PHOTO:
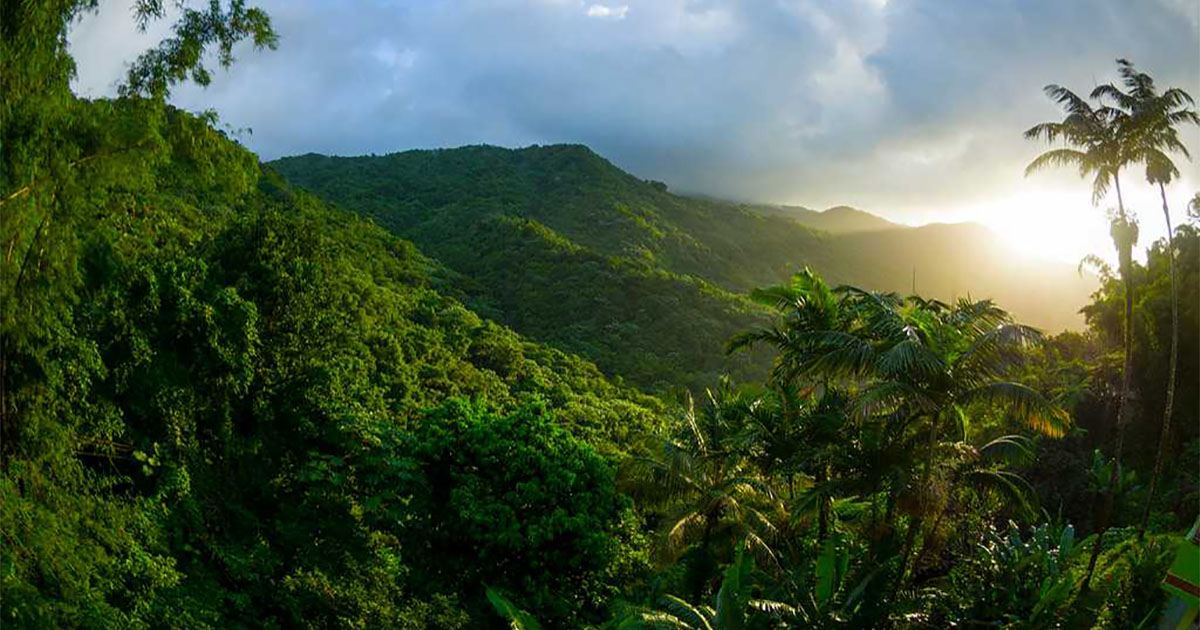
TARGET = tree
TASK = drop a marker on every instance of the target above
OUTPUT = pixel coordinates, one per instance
(510, 500)
(1100, 142)
(1124, 233)
(806, 303)
(922, 366)
(709, 495)
(1155, 118)
(1152, 330)
(85, 534)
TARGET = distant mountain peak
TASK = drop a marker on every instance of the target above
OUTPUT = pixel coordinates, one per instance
(445, 198)
(835, 220)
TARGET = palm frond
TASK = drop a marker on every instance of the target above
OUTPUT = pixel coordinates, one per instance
(734, 594)
(887, 397)
(682, 533)
(777, 610)
(1175, 98)
(994, 351)
(1014, 449)
(1007, 484)
(653, 620)
(694, 616)
(1070, 102)
(663, 478)
(1113, 93)
(1025, 405)
(909, 357)
(1100, 183)
(1159, 167)
(833, 353)
(1058, 157)
(517, 619)
(746, 340)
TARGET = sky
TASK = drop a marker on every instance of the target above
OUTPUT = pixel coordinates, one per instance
(910, 109)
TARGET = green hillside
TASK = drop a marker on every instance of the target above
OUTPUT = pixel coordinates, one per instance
(226, 402)
(654, 261)
(567, 249)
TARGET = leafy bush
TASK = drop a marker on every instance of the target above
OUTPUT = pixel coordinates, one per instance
(512, 501)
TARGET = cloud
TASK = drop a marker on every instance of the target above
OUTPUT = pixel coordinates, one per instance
(905, 106)
(605, 11)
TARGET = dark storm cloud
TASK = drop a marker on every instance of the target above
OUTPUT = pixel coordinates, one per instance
(869, 102)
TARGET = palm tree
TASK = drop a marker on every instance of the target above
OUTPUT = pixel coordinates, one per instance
(1124, 233)
(1156, 118)
(922, 365)
(806, 303)
(935, 365)
(704, 486)
(980, 473)
(1095, 139)
(1100, 142)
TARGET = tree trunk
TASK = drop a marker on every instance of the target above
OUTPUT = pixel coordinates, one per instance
(823, 513)
(918, 522)
(1125, 254)
(1169, 404)
(910, 537)
(700, 569)
(937, 522)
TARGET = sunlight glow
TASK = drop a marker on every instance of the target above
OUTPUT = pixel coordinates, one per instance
(1048, 225)
(1061, 223)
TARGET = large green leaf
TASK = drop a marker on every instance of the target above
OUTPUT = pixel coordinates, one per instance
(517, 619)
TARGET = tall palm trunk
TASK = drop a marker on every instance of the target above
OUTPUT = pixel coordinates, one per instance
(1125, 254)
(823, 511)
(1169, 404)
(701, 568)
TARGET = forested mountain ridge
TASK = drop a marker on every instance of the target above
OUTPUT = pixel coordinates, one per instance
(835, 220)
(622, 232)
(616, 279)
(568, 188)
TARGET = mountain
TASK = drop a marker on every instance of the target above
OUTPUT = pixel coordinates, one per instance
(568, 249)
(835, 220)
(896, 257)
(966, 259)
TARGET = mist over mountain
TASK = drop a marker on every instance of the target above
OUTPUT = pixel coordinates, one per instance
(524, 229)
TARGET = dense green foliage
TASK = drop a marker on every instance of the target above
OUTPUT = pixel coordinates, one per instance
(513, 501)
(213, 352)
(206, 375)
(227, 403)
(1152, 332)
(610, 278)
